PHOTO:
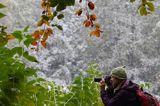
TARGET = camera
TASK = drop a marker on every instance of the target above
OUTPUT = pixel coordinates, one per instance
(97, 79)
(106, 79)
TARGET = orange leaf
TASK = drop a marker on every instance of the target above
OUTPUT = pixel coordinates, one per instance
(97, 25)
(79, 12)
(96, 33)
(36, 34)
(44, 44)
(49, 11)
(10, 37)
(87, 23)
(37, 37)
(93, 17)
(46, 22)
(44, 4)
(34, 43)
(49, 31)
(41, 32)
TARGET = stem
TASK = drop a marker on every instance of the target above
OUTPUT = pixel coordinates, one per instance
(69, 99)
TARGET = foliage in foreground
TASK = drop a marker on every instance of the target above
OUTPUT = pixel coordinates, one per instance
(20, 86)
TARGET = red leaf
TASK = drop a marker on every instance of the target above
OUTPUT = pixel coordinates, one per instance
(91, 5)
(80, 1)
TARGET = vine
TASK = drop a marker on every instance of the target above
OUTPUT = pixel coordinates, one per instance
(90, 18)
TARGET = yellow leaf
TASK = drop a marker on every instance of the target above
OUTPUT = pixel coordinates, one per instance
(142, 10)
(49, 10)
(10, 37)
(40, 22)
(41, 32)
(150, 6)
(45, 37)
(44, 4)
(46, 22)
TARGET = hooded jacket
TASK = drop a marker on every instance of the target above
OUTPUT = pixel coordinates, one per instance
(125, 96)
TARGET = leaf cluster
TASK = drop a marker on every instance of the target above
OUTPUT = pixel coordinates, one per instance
(146, 8)
(14, 75)
(20, 85)
(58, 6)
(61, 4)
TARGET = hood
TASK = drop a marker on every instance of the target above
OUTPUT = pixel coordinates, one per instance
(130, 86)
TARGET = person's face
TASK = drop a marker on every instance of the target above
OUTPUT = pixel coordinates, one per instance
(114, 81)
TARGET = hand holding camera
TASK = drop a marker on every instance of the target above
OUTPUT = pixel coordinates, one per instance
(104, 81)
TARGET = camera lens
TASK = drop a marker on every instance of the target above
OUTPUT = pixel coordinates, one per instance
(97, 79)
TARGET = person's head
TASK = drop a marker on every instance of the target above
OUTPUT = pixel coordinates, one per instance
(117, 76)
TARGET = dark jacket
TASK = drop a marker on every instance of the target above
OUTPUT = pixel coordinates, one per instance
(125, 96)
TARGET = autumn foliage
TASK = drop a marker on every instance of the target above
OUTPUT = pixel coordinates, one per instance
(90, 18)
(52, 9)
(41, 36)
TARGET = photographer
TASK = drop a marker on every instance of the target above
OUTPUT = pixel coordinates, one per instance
(116, 90)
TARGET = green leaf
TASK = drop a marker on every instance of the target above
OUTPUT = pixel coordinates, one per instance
(54, 3)
(18, 35)
(58, 26)
(3, 41)
(40, 79)
(28, 41)
(54, 13)
(2, 15)
(29, 57)
(70, 2)
(142, 10)
(150, 6)
(33, 89)
(45, 17)
(26, 29)
(60, 7)
(2, 6)
(18, 50)
(30, 71)
(3, 72)
(132, 1)
(60, 16)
